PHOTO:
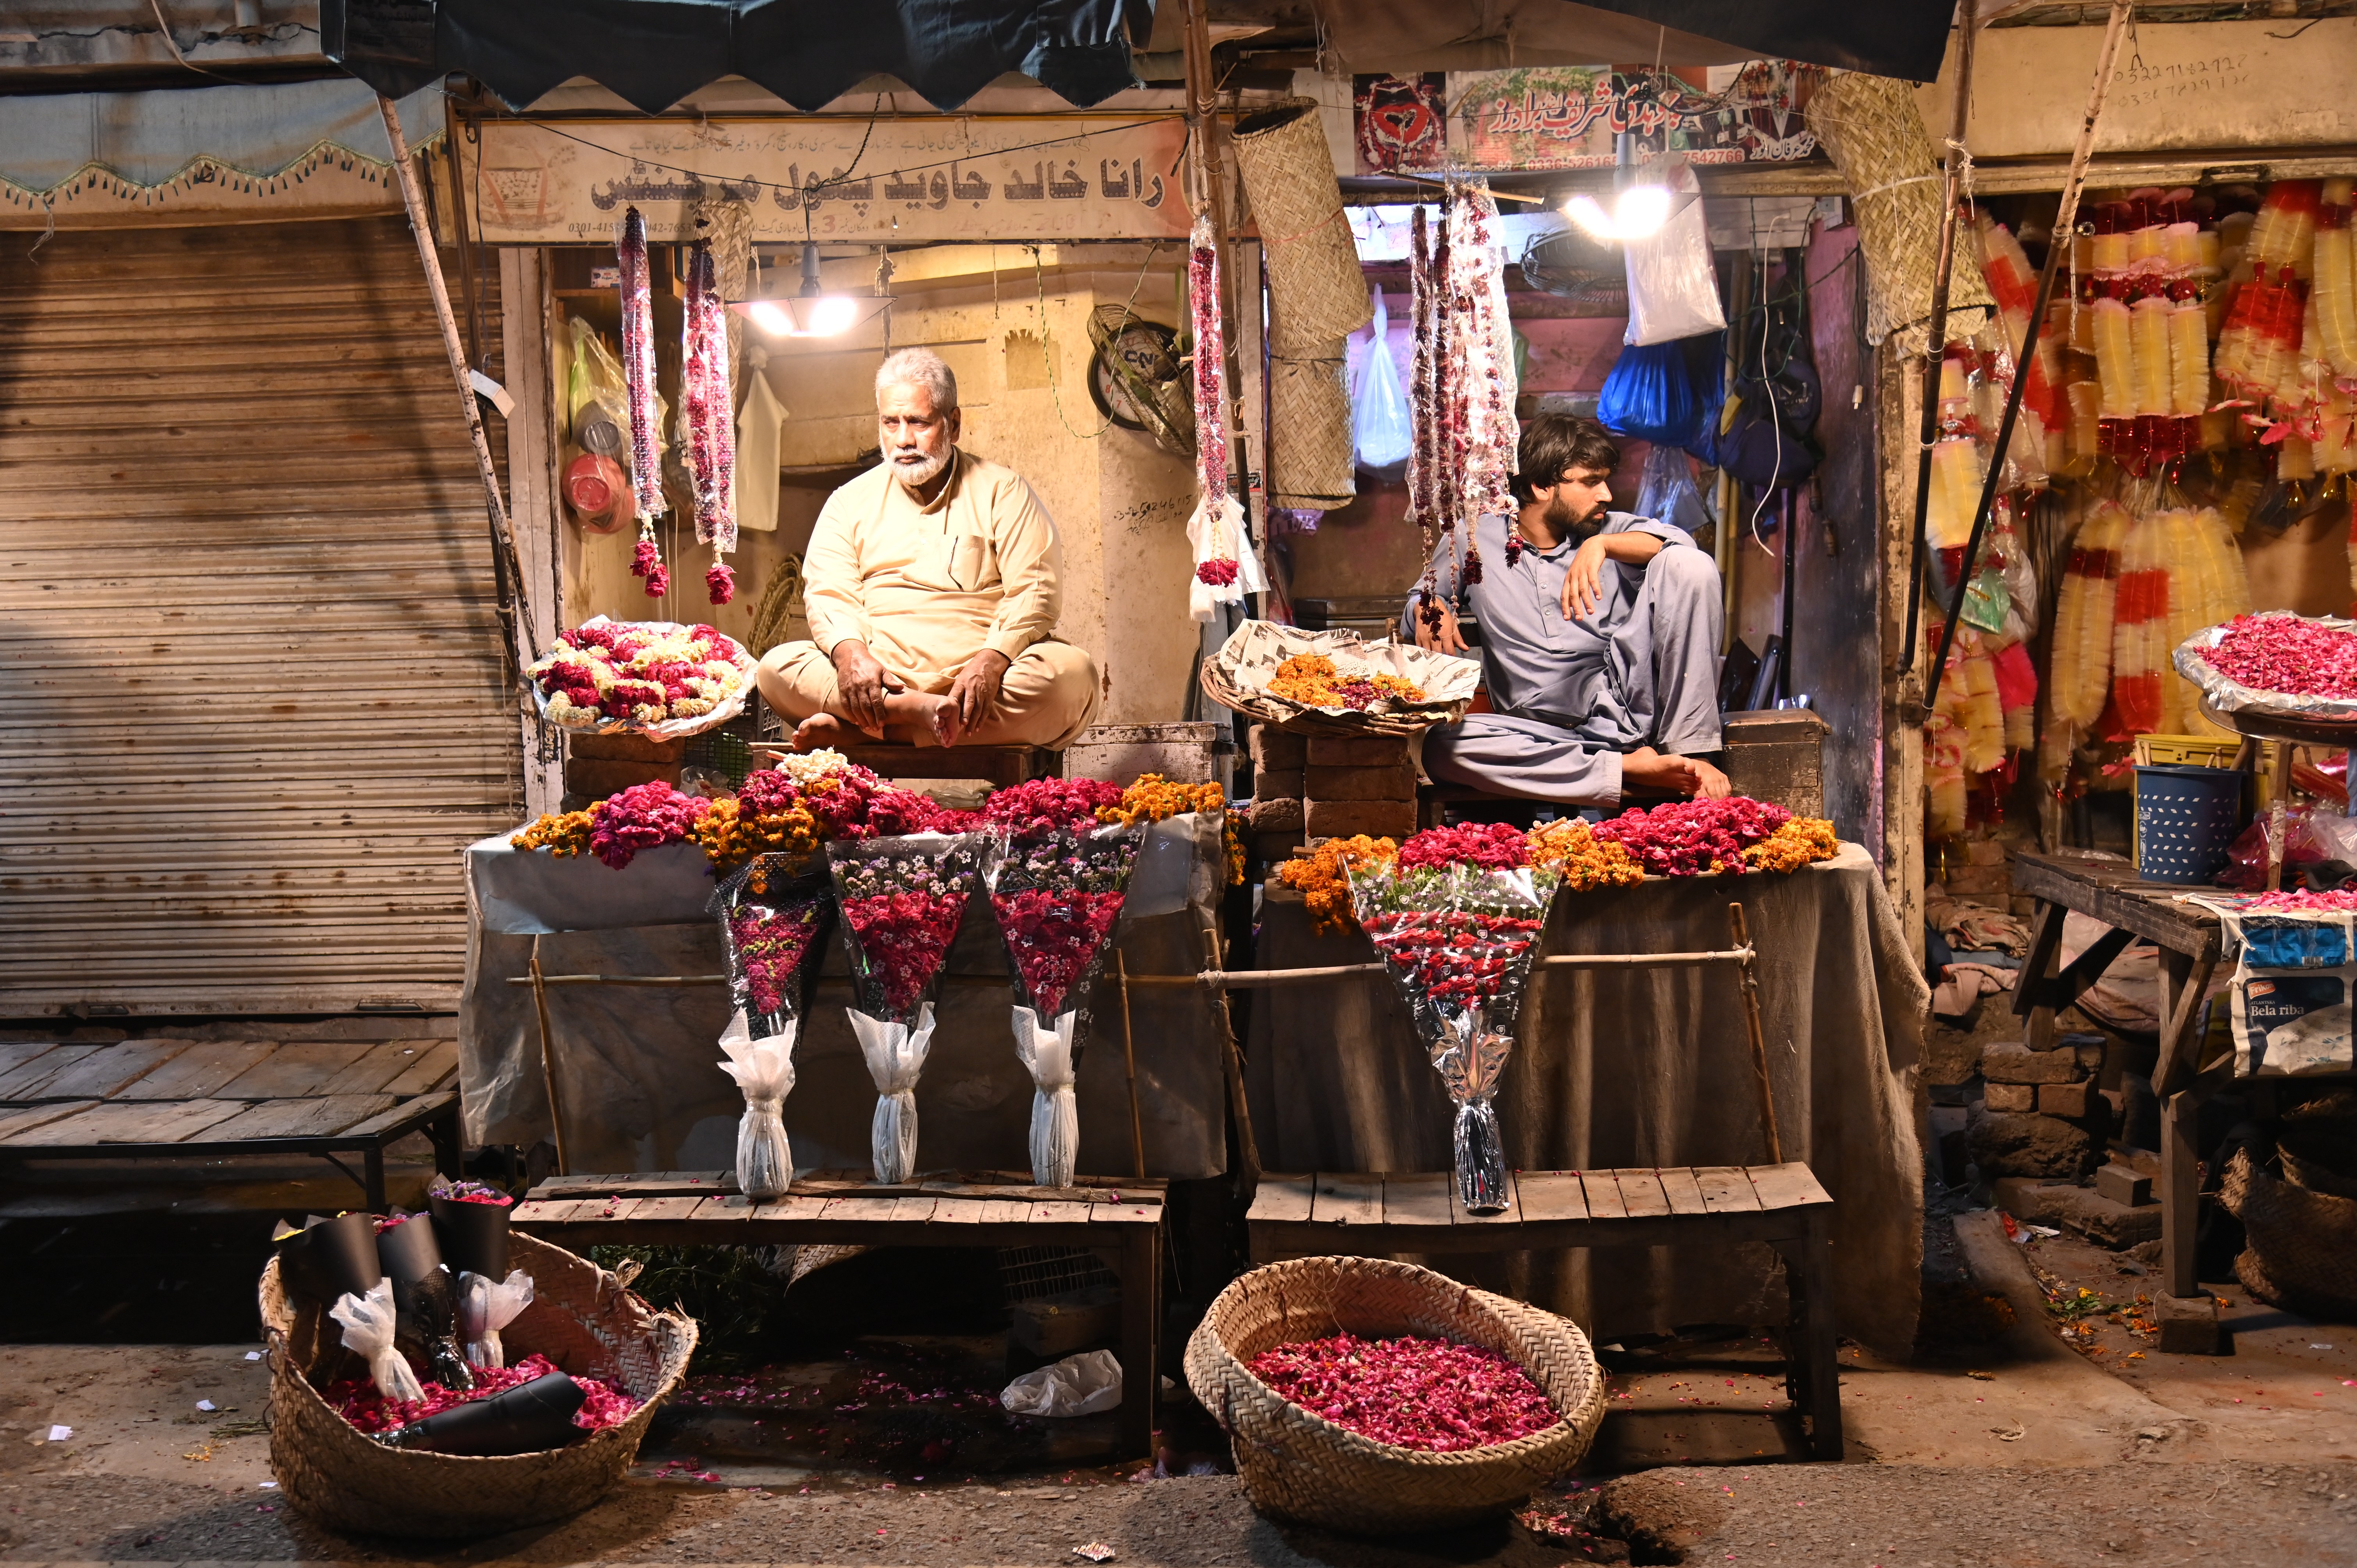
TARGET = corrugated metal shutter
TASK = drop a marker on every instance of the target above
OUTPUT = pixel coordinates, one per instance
(247, 626)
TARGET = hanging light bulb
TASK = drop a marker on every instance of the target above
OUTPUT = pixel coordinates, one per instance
(1637, 213)
(812, 312)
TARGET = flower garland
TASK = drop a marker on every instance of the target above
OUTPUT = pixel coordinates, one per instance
(633, 267)
(639, 673)
(1695, 838)
(1585, 861)
(1800, 842)
(1487, 846)
(706, 400)
(1044, 806)
(1323, 878)
(1313, 680)
(561, 834)
(642, 817)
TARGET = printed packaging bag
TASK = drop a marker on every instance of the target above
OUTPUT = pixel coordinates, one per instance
(2288, 1006)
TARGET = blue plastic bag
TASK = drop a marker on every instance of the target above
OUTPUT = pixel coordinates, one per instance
(1648, 394)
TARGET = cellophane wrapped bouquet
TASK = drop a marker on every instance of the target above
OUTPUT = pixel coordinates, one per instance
(902, 900)
(1057, 880)
(1456, 918)
(774, 914)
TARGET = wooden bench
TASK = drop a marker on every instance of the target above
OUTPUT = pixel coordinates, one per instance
(1782, 1204)
(151, 1099)
(1120, 1220)
(997, 765)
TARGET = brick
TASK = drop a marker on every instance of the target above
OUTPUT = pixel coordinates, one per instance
(2083, 1211)
(626, 748)
(1281, 748)
(2123, 1186)
(1390, 782)
(1985, 851)
(2010, 1097)
(1275, 846)
(1356, 750)
(1283, 815)
(2072, 1101)
(2089, 1048)
(1376, 819)
(1280, 783)
(2009, 1145)
(2009, 1061)
(2187, 1324)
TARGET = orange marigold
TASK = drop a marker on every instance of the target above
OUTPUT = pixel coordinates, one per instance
(1324, 882)
(1154, 797)
(1585, 860)
(1795, 844)
(730, 838)
(565, 833)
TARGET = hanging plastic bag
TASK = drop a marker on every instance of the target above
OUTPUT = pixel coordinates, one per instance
(368, 1323)
(1077, 1385)
(1379, 415)
(1672, 288)
(1046, 1052)
(764, 1069)
(1648, 395)
(1668, 493)
(485, 1307)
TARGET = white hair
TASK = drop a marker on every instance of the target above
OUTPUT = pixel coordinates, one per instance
(919, 368)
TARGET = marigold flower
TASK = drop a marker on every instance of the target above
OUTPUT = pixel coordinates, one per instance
(1323, 878)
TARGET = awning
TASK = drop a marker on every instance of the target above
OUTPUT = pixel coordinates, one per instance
(1904, 38)
(653, 53)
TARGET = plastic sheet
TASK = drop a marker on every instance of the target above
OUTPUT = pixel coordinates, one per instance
(369, 1328)
(2230, 696)
(485, 1307)
(1077, 1385)
(1672, 287)
(1648, 394)
(764, 1071)
(774, 914)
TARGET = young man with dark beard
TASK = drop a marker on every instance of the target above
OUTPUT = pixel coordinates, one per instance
(1599, 638)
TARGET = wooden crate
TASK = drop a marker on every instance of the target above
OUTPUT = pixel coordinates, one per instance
(1182, 753)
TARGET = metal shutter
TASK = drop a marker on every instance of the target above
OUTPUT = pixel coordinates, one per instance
(247, 628)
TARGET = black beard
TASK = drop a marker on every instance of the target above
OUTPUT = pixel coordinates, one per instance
(1564, 525)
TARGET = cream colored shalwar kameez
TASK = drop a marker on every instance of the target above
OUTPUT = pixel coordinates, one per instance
(928, 587)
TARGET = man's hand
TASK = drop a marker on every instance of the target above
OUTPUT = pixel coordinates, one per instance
(1583, 583)
(1443, 638)
(864, 683)
(974, 693)
(1677, 775)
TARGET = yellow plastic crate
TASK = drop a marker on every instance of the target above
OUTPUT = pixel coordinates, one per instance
(2187, 751)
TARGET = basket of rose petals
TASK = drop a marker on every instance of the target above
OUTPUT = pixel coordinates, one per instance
(653, 678)
(2300, 667)
(331, 1431)
(1372, 1396)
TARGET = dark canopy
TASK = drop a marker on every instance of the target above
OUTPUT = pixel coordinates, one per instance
(808, 52)
(1904, 38)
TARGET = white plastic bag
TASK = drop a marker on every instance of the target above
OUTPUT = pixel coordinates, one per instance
(895, 1054)
(487, 1305)
(368, 1332)
(764, 1069)
(1672, 288)
(1077, 1385)
(1379, 414)
(1047, 1053)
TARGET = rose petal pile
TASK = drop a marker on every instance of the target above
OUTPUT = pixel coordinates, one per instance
(1692, 838)
(2287, 653)
(1412, 1392)
(2334, 901)
(1045, 806)
(360, 1401)
(639, 673)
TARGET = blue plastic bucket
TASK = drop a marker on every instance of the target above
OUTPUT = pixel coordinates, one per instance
(2186, 819)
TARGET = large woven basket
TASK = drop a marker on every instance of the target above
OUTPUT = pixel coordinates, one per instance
(1310, 464)
(2301, 1246)
(1316, 289)
(1301, 1467)
(581, 1317)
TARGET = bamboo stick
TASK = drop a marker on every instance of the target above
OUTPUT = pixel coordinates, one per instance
(548, 1062)
(1748, 983)
(1129, 1058)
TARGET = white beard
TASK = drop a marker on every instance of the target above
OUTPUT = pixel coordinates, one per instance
(922, 471)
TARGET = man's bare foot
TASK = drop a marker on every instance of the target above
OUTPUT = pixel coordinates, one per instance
(822, 731)
(1677, 775)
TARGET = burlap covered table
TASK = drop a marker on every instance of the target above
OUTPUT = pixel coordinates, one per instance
(1642, 1068)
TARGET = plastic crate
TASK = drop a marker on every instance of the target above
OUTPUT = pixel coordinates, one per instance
(2186, 819)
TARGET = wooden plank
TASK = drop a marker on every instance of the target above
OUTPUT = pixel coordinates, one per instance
(862, 1209)
(297, 1118)
(199, 1071)
(1347, 1201)
(1726, 1189)
(1788, 1186)
(1684, 1193)
(957, 1210)
(1417, 1199)
(297, 1069)
(377, 1068)
(667, 1207)
(434, 1066)
(110, 1069)
(2111, 896)
(543, 1211)
(422, 1105)
(1642, 1193)
(24, 1083)
(1548, 1194)
(1282, 1199)
(13, 1057)
(915, 1210)
(1603, 1195)
(170, 1121)
(725, 1216)
(791, 1206)
(24, 1118)
(1058, 1213)
(1004, 1211)
(1511, 1215)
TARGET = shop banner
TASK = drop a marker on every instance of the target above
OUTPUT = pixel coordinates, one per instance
(1547, 117)
(961, 178)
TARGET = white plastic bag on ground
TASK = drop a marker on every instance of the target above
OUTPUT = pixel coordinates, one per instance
(896, 1056)
(1047, 1052)
(368, 1332)
(1672, 288)
(1077, 1385)
(487, 1305)
(764, 1069)
(1379, 415)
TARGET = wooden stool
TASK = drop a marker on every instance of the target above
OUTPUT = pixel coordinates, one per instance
(996, 765)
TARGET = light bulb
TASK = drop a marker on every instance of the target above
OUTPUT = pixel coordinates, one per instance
(1637, 213)
(831, 315)
(771, 318)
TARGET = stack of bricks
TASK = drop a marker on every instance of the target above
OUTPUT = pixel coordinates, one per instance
(1320, 786)
(2042, 1114)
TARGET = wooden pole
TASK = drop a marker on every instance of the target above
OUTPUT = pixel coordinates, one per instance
(515, 612)
(1129, 1057)
(1748, 983)
(548, 1063)
(1247, 1149)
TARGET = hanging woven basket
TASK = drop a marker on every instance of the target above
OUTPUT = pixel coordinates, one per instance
(1316, 289)
(1309, 457)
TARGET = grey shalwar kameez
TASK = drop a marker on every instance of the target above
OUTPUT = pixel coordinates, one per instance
(1571, 696)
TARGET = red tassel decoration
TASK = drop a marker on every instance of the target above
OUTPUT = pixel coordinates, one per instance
(721, 582)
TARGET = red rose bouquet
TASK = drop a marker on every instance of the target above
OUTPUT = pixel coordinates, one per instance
(1058, 893)
(902, 898)
(1455, 918)
(774, 915)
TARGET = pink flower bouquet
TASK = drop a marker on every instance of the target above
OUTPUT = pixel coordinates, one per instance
(657, 677)
(774, 917)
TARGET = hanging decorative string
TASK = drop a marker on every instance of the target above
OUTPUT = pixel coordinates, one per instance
(1217, 524)
(709, 418)
(638, 388)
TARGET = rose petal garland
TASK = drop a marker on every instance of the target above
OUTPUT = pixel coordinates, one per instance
(633, 268)
(1225, 569)
(359, 1402)
(709, 404)
(1434, 1395)
(639, 674)
(1692, 838)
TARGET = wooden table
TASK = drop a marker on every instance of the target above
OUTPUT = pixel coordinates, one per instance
(2191, 942)
(1122, 1219)
(1375, 1215)
(150, 1099)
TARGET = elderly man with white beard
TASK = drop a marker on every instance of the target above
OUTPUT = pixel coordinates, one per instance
(933, 581)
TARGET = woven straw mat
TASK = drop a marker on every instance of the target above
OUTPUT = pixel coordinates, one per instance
(1871, 129)
(581, 1317)
(1298, 1466)
(1316, 291)
(1309, 462)
(2301, 1246)
(1237, 677)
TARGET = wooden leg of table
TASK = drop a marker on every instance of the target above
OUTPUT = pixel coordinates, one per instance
(2182, 982)
(1141, 1310)
(1814, 1339)
(2044, 962)
(2180, 1190)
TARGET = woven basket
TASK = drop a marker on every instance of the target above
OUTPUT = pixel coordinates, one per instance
(581, 1317)
(1309, 463)
(2301, 1245)
(1316, 292)
(1236, 678)
(1871, 129)
(1298, 1466)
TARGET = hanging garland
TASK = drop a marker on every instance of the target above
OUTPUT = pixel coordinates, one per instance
(639, 387)
(1224, 571)
(711, 437)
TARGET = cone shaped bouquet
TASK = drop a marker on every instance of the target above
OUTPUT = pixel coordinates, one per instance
(774, 918)
(1456, 918)
(1056, 882)
(903, 899)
